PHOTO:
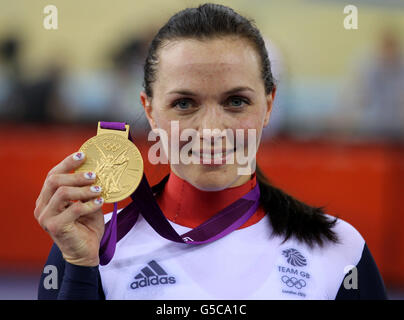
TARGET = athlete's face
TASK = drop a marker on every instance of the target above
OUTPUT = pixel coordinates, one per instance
(196, 85)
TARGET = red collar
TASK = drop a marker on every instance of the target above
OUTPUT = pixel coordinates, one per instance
(188, 206)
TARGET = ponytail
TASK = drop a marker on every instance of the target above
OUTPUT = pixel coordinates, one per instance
(292, 218)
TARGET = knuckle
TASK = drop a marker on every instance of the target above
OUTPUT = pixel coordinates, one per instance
(79, 176)
(37, 212)
(51, 172)
(79, 179)
(62, 192)
(77, 208)
(42, 221)
(53, 181)
(52, 227)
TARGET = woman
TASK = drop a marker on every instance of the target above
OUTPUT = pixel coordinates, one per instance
(202, 61)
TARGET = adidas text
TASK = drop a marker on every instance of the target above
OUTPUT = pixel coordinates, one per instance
(153, 280)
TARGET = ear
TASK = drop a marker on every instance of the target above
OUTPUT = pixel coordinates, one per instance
(270, 100)
(146, 103)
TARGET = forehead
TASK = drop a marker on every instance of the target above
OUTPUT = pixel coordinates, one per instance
(217, 61)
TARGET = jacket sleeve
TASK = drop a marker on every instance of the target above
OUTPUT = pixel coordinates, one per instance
(61, 280)
(364, 284)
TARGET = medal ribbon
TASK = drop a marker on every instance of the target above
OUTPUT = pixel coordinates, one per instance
(222, 223)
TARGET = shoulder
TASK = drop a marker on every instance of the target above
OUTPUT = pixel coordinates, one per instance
(358, 275)
(348, 248)
(348, 236)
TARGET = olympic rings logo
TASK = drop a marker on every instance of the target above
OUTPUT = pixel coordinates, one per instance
(290, 282)
(110, 146)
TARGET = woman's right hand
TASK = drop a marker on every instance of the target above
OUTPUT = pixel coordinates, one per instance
(76, 227)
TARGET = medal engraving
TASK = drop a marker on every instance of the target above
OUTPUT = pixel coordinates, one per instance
(117, 163)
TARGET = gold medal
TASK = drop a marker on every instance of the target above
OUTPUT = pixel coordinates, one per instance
(116, 161)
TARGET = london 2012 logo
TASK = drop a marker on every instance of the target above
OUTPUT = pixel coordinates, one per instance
(294, 257)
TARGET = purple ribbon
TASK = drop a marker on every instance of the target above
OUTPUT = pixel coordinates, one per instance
(222, 223)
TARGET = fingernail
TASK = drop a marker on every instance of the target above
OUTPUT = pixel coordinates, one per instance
(99, 200)
(95, 189)
(89, 175)
(78, 156)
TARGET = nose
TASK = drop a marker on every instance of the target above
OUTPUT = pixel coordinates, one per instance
(212, 124)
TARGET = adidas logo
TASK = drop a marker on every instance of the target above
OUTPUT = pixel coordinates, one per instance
(151, 275)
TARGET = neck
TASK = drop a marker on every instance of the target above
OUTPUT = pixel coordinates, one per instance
(184, 204)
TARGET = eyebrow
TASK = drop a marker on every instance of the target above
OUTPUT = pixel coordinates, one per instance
(190, 93)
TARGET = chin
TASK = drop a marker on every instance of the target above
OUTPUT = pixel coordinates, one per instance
(206, 184)
(209, 179)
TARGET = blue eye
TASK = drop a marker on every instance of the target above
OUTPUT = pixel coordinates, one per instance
(182, 104)
(185, 104)
(239, 101)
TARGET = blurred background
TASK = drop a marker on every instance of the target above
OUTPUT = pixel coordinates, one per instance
(336, 134)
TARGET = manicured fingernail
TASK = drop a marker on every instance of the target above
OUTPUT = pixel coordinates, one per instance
(89, 175)
(99, 200)
(78, 156)
(95, 189)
